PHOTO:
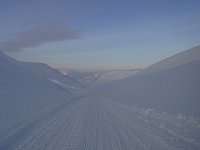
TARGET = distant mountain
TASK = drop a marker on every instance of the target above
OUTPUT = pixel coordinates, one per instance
(77, 74)
(172, 85)
(23, 93)
(110, 75)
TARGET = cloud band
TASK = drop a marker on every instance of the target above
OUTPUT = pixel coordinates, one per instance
(35, 37)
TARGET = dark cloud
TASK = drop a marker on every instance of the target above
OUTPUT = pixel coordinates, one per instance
(36, 37)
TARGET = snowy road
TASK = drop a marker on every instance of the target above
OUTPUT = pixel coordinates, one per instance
(91, 123)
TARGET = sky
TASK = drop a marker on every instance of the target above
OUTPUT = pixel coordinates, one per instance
(98, 34)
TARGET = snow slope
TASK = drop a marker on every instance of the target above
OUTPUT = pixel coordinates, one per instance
(23, 94)
(171, 85)
(176, 60)
(42, 70)
(51, 74)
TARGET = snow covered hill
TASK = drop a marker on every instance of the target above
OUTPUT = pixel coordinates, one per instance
(47, 72)
(176, 60)
(171, 85)
(23, 94)
(42, 70)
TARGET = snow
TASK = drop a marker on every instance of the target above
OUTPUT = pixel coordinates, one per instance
(156, 110)
(96, 123)
(49, 73)
(64, 85)
(108, 76)
(184, 57)
(24, 94)
(173, 89)
(77, 74)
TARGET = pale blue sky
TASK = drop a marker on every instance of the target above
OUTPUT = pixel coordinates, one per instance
(98, 34)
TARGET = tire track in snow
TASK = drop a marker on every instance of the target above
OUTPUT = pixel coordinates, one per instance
(150, 134)
(89, 129)
(33, 131)
(91, 123)
(136, 133)
(68, 136)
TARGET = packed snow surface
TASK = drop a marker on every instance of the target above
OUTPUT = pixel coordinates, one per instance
(96, 123)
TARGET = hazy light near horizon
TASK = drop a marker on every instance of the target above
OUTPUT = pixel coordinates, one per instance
(98, 34)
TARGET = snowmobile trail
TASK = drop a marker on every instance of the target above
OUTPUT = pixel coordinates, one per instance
(95, 123)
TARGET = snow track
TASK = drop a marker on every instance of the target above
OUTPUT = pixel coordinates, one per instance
(91, 123)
